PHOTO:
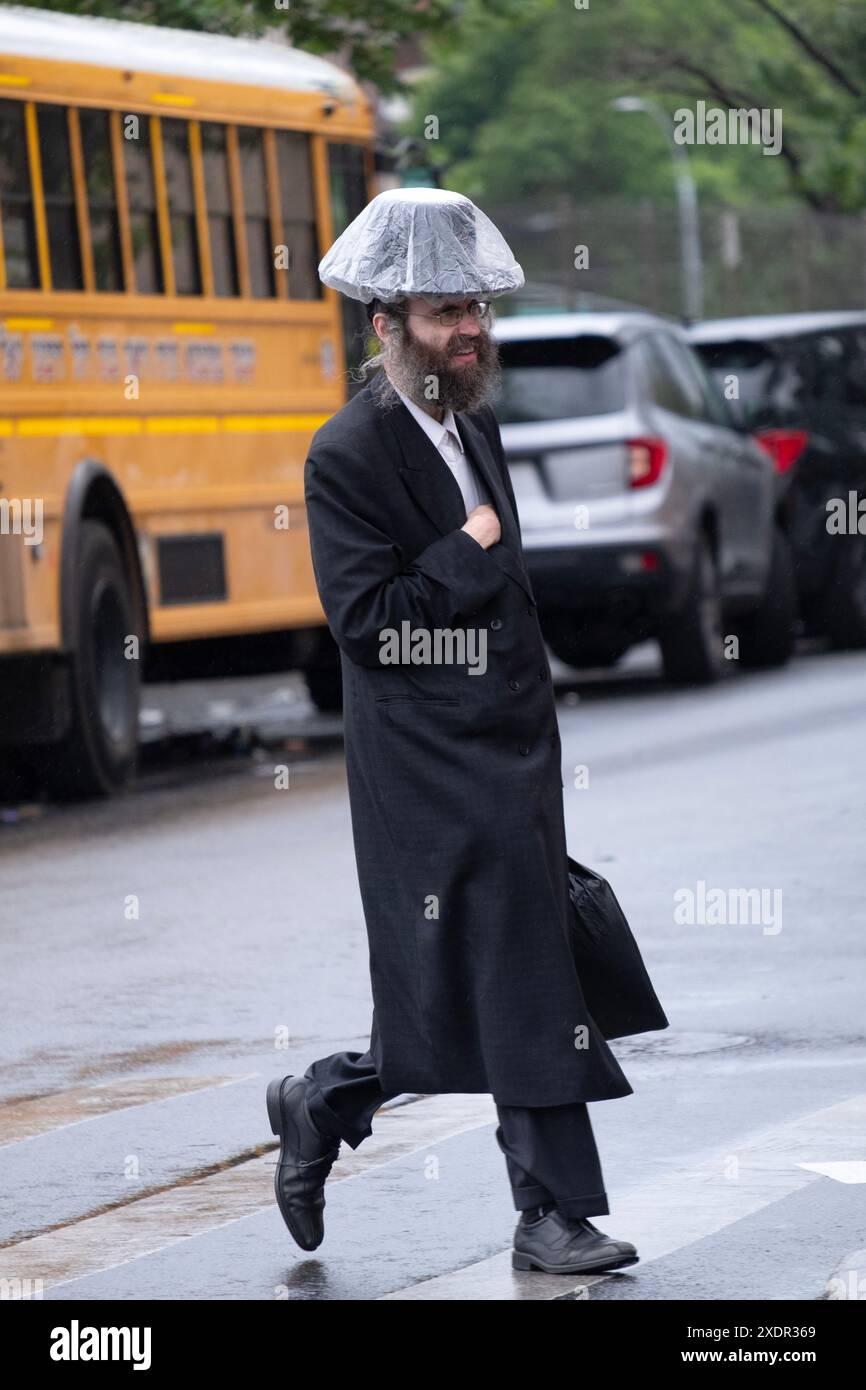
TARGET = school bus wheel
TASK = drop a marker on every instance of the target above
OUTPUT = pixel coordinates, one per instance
(97, 755)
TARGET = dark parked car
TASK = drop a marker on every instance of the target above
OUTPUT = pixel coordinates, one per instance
(802, 387)
(645, 510)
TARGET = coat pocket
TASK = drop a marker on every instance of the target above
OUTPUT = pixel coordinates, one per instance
(417, 699)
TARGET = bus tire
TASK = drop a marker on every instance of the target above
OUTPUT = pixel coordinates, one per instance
(97, 756)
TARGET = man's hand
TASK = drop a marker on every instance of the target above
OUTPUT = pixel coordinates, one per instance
(482, 523)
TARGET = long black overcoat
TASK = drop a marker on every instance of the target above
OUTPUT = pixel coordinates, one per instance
(455, 784)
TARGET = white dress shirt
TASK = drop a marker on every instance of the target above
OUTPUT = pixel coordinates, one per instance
(446, 437)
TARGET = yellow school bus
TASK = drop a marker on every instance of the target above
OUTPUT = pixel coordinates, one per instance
(166, 352)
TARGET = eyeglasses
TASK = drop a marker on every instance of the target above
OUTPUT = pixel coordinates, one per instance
(449, 318)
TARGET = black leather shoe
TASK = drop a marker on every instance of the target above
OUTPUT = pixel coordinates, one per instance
(306, 1159)
(559, 1245)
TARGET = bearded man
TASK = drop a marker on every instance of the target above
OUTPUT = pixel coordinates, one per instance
(454, 775)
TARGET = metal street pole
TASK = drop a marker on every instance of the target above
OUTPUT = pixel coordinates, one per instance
(687, 207)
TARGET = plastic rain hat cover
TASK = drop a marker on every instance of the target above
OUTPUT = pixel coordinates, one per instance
(425, 241)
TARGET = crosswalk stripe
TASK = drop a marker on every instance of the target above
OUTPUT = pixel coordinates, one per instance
(686, 1205)
(494, 1279)
(689, 1203)
(147, 1225)
(854, 1170)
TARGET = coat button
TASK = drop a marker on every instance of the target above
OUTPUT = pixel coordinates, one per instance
(542, 675)
(553, 740)
(514, 685)
(524, 748)
(530, 608)
(496, 624)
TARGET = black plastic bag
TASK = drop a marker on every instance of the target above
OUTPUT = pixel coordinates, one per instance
(613, 977)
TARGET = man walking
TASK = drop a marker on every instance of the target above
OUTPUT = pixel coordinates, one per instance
(452, 748)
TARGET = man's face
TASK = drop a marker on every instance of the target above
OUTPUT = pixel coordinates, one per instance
(455, 367)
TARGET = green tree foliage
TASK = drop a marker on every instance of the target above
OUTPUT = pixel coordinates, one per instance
(523, 97)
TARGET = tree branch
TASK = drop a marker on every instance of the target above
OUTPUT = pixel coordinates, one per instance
(791, 158)
(804, 42)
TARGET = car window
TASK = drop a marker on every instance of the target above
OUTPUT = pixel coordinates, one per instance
(682, 366)
(560, 379)
(717, 409)
(662, 380)
(830, 367)
(748, 366)
(788, 376)
(855, 367)
(797, 373)
(656, 382)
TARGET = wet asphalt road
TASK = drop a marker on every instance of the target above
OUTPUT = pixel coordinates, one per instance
(166, 954)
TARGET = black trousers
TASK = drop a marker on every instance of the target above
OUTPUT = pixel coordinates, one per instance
(550, 1151)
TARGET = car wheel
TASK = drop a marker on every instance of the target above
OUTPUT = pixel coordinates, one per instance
(566, 636)
(691, 642)
(767, 636)
(845, 609)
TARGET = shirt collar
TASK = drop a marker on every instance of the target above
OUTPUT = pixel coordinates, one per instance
(432, 427)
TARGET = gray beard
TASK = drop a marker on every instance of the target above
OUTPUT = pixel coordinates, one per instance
(409, 366)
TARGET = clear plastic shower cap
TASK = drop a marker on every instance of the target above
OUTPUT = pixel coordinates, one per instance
(426, 241)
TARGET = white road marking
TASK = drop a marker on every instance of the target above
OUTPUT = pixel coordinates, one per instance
(852, 1171)
(493, 1279)
(150, 1224)
(688, 1204)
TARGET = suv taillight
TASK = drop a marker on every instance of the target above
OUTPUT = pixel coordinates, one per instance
(783, 446)
(646, 459)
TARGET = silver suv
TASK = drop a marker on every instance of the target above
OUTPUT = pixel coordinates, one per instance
(645, 510)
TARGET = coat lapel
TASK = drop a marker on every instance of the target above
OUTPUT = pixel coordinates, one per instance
(506, 555)
(425, 472)
(436, 490)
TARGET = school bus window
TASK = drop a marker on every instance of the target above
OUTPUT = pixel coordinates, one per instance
(16, 200)
(217, 192)
(181, 206)
(101, 199)
(260, 251)
(347, 178)
(347, 181)
(142, 204)
(299, 216)
(58, 193)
